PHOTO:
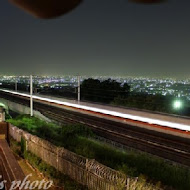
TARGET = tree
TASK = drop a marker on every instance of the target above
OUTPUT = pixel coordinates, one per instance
(103, 91)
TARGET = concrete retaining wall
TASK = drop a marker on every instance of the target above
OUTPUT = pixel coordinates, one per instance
(19, 108)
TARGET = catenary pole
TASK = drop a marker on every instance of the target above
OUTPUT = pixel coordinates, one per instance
(16, 85)
(78, 87)
(31, 96)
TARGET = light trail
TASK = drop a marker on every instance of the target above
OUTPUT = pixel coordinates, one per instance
(108, 112)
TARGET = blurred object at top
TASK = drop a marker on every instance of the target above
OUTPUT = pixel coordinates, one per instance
(148, 1)
(47, 8)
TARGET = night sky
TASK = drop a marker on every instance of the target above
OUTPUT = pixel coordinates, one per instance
(100, 37)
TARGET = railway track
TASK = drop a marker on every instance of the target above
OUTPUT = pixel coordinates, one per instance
(170, 147)
(175, 151)
(65, 117)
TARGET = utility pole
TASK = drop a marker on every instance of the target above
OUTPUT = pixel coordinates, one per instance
(16, 86)
(78, 87)
(31, 98)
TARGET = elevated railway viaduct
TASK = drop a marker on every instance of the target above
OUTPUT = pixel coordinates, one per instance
(170, 143)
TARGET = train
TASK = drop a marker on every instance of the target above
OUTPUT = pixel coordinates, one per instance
(148, 120)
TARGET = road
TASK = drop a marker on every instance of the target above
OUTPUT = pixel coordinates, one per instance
(9, 168)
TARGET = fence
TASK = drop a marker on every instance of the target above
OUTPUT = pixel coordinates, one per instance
(85, 171)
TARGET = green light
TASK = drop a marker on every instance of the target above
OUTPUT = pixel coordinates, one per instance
(177, 104)
(2, 105)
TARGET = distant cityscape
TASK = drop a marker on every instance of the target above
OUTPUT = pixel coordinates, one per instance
(177, 88)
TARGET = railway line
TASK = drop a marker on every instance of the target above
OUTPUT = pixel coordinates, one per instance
(168, 146)
(157, 145)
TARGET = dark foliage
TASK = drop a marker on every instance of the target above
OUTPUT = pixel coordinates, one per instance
(76, 139)
(103, 91)
(158, 103)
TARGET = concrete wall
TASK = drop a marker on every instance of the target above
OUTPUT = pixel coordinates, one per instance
(3, 130)
(22, 109)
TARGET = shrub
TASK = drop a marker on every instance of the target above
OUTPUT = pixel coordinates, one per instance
(76, 139)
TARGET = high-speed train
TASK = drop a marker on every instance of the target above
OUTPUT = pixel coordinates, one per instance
(138, 118)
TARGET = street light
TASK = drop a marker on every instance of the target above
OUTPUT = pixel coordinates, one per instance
(177, 104)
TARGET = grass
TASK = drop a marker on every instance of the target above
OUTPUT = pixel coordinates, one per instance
(76, 138)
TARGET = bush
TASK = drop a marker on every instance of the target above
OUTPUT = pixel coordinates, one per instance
(52, 173)
(76, 139)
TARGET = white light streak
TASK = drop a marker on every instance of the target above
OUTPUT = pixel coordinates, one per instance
(108, 112)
